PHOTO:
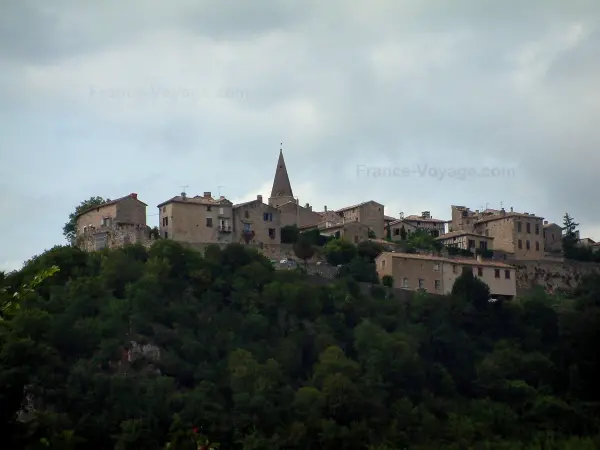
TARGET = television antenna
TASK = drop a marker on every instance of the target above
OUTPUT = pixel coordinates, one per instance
(219, 190)
(183, 188)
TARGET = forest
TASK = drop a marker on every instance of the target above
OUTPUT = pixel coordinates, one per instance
(166, 347)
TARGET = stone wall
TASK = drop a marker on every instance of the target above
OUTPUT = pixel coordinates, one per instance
(552, 274)
(271, 251)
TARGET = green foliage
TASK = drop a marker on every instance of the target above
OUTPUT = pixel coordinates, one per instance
(423, 239)
(289, 234)
(388, 233)
(387, 280)
(339, 251)
(70, 228)
(372, 234)
(403, 233)
(304, 249)
(168, 348)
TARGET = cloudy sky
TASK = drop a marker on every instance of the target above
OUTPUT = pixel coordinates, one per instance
(388, 100)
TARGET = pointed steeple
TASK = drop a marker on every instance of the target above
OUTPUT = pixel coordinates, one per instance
(282, 189)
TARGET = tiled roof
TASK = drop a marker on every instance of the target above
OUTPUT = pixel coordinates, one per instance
(423, 219)
(356, 206)
(509, 215)
(463, 261)
(198, 200)
(111, 202)
(454, 234)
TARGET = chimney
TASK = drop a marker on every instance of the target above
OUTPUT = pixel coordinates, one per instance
(325, 209)
(503, 211)
(426, 214)
(207, 194)
(511, 209)
(183, 196)
(476, 211)
(133, 195)
(259, 198)
(545, 222)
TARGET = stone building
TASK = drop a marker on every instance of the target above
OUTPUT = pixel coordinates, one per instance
(369, 213)
(412, 223)
(354, 232)
(552, 237)
(256, 222)
(437, 274)
(199, 219)
(113, 224)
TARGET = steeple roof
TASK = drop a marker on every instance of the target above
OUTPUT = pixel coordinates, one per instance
(281, 182)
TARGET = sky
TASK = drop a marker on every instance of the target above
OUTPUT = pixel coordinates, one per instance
(416, 104)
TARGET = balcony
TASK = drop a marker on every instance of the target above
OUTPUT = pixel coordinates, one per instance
(224, 229)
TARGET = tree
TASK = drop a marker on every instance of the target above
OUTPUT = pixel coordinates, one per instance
(472, 289)
(569, 240)
(388, 232)
(339, 251)
(304, 249)
(388, 281)
(289, 234)
(368, 250)
(403, 233)
(372, 234)
(70, 228)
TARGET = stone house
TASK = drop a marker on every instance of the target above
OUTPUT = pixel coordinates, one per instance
(354, 232)
(255, 222)
(552, 237)
(465, 240)
(437, 274)
(518, 233)
(425, 222)
(199, 219)
(113, 224)
(369, 213)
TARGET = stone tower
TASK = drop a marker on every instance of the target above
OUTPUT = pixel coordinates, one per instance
(282, 189)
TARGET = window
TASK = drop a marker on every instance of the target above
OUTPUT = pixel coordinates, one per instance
(165, 221)
(436, 267)
(164, 209)
(520, 243)
(246, 214)
(209, 222)
(438, 285)
(266, 217)
(537, 228)
(208, 208)
(221, 211)
(166, 235)
(405, 283)
(519, 226)
(396, 231)
(246, 227)
(507, 274)
(528, 245)
(483, 245)
(487, 232)
(497, 273)
(421, 283)
(480, 271)
(383, 263)
(528, 227)
(272, 233)
(537, 246)
(471, 243)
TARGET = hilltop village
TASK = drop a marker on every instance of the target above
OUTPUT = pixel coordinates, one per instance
(492, 243)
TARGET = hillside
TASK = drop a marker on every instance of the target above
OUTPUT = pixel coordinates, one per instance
(135, 348)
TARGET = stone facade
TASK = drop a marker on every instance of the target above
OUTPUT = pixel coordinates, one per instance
(520, 234)
(256, 223)
(368, 213)
(301, 216)
(354, 232)
(552, 275)
(114, 236)
(437, 274)
(436, 227)
(552, 237)
(197, 219)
